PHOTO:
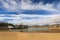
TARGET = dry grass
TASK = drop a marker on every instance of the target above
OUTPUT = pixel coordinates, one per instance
(29, 36)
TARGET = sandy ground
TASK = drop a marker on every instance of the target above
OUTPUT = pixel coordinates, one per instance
(29, 36)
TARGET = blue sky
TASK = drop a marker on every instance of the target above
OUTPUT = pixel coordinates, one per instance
(30, 12)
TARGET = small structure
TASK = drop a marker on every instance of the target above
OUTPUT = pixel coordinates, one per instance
(10, 27)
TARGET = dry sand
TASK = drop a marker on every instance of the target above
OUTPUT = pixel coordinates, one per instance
(29, 36)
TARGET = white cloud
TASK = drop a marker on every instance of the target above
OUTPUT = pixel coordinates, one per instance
(26, 5)
(12, 5)
(38, 19)
(41, 20)
(40, 6)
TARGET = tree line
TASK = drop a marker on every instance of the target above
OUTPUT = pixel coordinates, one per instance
(6, 25)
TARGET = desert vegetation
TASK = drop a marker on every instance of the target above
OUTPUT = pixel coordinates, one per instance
(6, 25)
(9, 26)
(30, 28)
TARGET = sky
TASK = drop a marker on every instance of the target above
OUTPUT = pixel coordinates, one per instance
(30, 12)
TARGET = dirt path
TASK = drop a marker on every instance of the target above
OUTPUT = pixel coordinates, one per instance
(29, 36)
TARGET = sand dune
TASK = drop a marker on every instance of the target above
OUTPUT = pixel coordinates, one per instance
(29, 36)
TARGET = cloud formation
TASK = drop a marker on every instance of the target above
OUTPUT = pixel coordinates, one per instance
(29, 19)
(26, 5)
